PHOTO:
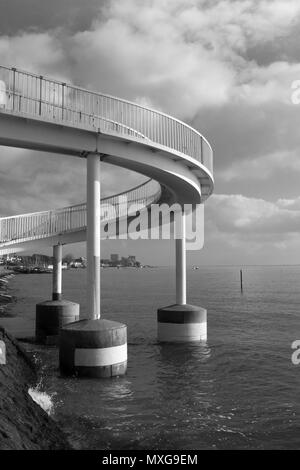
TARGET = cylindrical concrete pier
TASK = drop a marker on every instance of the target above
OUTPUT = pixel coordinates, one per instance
(181, 323)
(51, 315)
(93, 347)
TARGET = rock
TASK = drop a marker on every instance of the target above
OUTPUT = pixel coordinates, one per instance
(23, 423)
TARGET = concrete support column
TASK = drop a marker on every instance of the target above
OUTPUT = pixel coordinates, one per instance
(52, 315)
(93, 347)
(57, 273)
(93, 236)
(180, 248)
(181, 322)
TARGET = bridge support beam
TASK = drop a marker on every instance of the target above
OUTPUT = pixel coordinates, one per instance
(57, 273)
(180, 260)
(181, 322)
(52, 315)
(93, 347)
(93, 237)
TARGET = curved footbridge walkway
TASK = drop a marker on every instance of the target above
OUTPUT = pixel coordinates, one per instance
(43, 114)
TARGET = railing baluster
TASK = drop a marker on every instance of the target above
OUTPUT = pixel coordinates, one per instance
(40, 97)
(14, 87)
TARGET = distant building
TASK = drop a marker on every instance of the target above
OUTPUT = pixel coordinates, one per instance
(78, 263)
(130, 261)
(115, 261)
(114, 258)
(105, 262)
(124, 261)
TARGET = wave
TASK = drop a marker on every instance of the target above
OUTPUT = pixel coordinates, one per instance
(43, 399)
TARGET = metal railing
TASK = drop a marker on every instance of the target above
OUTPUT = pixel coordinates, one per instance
(30, 94)
(26, 227)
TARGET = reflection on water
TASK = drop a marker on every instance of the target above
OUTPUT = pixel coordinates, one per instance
(239, 390)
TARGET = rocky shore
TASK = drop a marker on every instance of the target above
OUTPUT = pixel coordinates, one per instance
(24, 425)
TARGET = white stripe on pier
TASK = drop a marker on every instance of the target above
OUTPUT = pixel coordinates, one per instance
(100, 356)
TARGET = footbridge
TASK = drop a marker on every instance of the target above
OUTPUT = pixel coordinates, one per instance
(42, 114)
(69, 224)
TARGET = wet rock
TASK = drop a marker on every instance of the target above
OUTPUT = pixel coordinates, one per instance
(23, 423)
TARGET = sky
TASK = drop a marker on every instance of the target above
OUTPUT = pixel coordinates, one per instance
(223, 66)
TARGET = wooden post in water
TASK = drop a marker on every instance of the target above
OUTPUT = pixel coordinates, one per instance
(241, 279)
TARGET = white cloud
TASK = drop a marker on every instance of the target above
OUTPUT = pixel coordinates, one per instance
(267, 84)
(291, 204)
(253, 218)
(35, 52)
(153, 59)
(177, 55)
(183, 56)
(262, 167)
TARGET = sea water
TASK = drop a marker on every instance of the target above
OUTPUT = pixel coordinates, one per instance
(238, 390)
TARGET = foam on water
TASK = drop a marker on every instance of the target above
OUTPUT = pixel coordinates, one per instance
(44, 400)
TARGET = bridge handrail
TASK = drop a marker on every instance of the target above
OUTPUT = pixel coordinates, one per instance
(48, 223)
(82, 113)
(57, 101)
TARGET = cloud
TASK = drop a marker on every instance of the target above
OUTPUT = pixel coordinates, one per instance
(253, 218)
(35, 52)
(291, 204)
(149, 55)
(186, 55)
(267, 84)
(36, 15)
(36, 181)
(179, 56)
(224, 66)
(262, 167)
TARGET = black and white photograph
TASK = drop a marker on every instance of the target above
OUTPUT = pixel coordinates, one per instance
(149, 228)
